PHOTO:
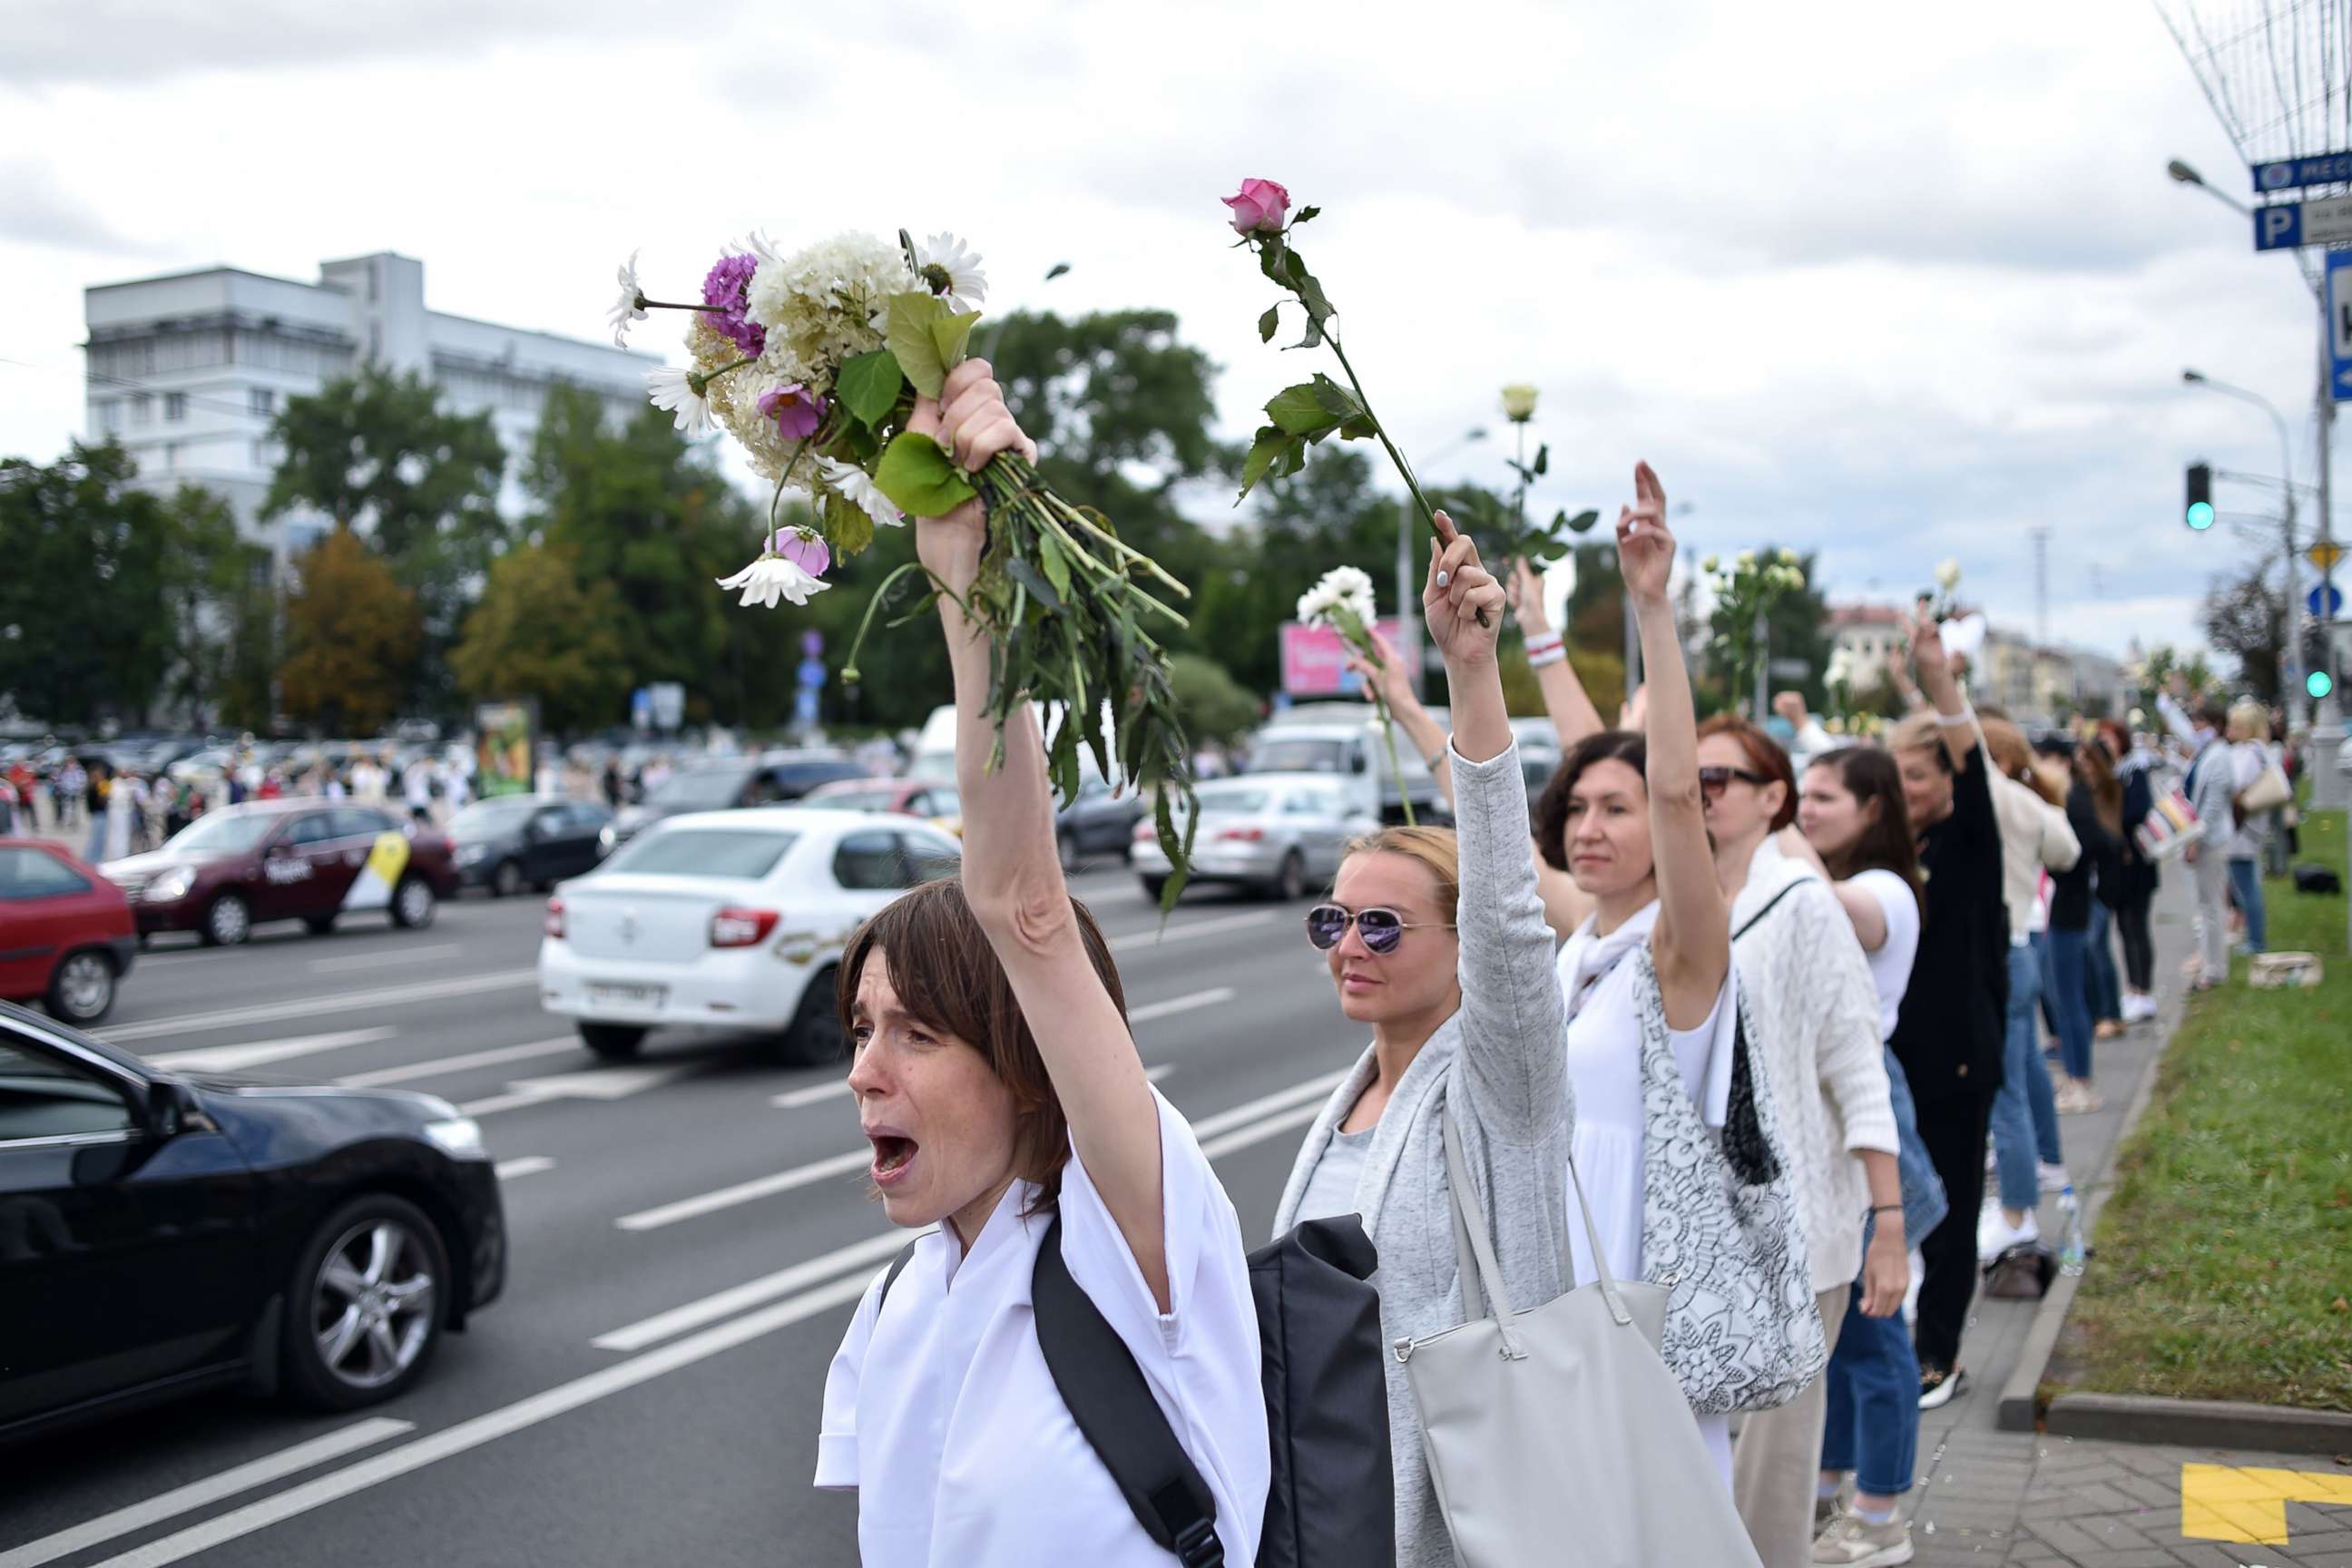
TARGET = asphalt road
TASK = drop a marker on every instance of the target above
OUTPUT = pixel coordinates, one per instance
(689, 1233)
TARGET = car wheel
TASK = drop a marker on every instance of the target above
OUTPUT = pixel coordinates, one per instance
(412, 904)
(1289, 883)
(365, 1304)
(815, 1036)
(227, 921)
(613, 1042)
(1153, 887)
(82, 989)
(1066, 845)
(506, 880)
(319, 925)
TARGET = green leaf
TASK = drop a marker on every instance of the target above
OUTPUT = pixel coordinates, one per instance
(1543, 457)
(949, 334)
(911, 343)
(868, 386)
(1299, 411)
(1269, 322)
(848, 529)
(918, 477)
(1274, 446)
(1581, 523)
(1056, 564)
(1029, 577)
(1305, 215)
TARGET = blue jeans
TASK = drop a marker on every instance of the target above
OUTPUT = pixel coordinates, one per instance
(2246, 890)
(2025, 1113)
(1874, 1402)
(2105, 994)
(2070, 1008)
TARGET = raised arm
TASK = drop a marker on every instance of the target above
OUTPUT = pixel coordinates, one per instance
(1952, 711)
(1012, 875)
(1692, 943)
(1573, 714)
(1514, 1020)
(1388, 680)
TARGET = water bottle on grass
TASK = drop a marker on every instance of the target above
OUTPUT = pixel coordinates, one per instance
(2071, 1247)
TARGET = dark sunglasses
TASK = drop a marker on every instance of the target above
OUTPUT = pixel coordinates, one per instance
(1327, 926)
(1713, 782)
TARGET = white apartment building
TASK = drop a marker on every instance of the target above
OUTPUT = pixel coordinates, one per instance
(188, 369)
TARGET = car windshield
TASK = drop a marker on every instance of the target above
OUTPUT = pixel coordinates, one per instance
(852, 800)
(1299, 756)
(230, 833)
(740, 852)
(1237, 801)
(704, 789)
(491, 818)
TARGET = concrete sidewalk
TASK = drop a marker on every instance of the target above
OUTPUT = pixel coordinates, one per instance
(1985, 1496)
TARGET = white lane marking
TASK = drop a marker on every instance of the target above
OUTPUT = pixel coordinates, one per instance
(837, 1087)
(333, 1002)
(1175, 1005)
(747, 1192)
(1249, 1110)
(1156, 937)
(1258, 1133)
(260, 1053)
(726, 1303)
(487, 1427)
(608, 1083)
(528, 1165)
(496, 1057)
(210, 1489)
(498, 1102)
(380, 960)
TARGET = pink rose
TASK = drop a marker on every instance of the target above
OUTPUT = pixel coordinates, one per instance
(1260, 208)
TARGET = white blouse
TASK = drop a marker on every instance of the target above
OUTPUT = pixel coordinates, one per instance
(940, 1411)
(1890, 966)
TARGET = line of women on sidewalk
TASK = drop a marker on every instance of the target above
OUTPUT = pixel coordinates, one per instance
(1709, 1088)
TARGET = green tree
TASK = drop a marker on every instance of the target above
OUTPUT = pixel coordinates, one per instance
(222, 604)
(539, 632)
(1212, 704)
(379, 455)
(353, 632)
(1795, 620)
(2241, 619)
(88, 624)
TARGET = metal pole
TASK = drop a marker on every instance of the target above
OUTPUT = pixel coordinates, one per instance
(2327, 724)
(1408, 602)
(1763, 666)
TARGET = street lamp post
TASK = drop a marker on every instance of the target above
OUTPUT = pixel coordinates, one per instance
(1408, 600)
(2287, 661)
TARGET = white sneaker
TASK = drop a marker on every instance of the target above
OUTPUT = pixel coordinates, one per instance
(1852, 1542)
(2138, 1008)
(2053, 1177)
(1995, 1236)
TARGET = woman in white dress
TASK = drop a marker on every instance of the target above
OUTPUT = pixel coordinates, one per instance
(997, 1081)
(1624, 817)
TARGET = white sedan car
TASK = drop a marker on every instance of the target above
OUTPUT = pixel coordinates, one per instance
(729, 920)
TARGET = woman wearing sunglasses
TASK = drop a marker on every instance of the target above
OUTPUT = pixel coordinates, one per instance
(1439, 947)
(997, 1081)
(1647, 979)
(1810, 994)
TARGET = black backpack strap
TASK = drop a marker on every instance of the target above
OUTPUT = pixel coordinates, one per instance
(1098, 1380)
(1749, 924)
(890, 1278)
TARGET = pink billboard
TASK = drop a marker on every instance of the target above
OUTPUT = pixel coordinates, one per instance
(1315, 658)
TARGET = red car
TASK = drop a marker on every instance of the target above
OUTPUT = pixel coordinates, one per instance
(312, 860)
(66, 933)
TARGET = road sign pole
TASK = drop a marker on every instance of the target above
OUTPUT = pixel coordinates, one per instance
(2326, 722)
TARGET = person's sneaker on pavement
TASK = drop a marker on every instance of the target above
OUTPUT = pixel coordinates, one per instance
(1939, 1386)
(1854, 1542)
(1996, 1236)
(2053, 1177)
(1831, 1503)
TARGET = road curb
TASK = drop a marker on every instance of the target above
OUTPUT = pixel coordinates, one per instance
(2147, 1418)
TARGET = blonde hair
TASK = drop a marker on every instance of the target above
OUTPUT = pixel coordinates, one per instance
(1919, 733)
(2253, 719)
(1436, 848)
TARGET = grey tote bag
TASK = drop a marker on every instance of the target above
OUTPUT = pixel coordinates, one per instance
(1556, 1434)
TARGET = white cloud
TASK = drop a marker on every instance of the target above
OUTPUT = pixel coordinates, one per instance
(1856, 278)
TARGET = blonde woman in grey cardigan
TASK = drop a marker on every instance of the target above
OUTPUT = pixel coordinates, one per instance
(1449, 962)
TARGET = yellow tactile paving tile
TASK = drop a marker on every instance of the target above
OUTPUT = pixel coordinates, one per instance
(2229, 1502)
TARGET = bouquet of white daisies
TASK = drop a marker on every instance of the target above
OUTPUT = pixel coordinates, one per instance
(1342, 600)
(812, 361)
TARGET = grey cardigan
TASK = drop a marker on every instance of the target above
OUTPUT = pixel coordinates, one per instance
(1502, 1061)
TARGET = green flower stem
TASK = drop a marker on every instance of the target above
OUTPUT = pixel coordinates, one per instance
(1403, 469)
(701, 382)
(858, 643)
(1396, 770)
(645, 304)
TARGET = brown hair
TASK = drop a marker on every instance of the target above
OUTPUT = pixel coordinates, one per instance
(938, 961)
(1888, 844)
(2014, 758)
(1627, 746)
(2095, 766)
(1439, 852)
(1764, 755)
(1920, 732)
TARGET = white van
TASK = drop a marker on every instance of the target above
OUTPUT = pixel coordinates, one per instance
(1100, 824)
(1343, 740)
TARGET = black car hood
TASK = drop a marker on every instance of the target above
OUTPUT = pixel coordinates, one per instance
(273, 1119)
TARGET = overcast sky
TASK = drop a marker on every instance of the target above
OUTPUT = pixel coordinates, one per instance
(1890, 282)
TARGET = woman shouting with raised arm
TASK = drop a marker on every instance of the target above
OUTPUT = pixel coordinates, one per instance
(996, 1080)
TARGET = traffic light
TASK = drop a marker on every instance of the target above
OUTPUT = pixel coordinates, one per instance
(2200, 513)
(2319, 683)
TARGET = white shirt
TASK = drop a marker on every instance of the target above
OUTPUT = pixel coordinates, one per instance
(2248, 759)
(1890, 966)
(2034, 834)
(944, 1419)
(416, 785)
(1331, 1190)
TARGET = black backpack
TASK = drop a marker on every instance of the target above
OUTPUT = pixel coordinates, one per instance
(1331, 1500)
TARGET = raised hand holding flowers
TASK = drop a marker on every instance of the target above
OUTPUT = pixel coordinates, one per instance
(1342, 600)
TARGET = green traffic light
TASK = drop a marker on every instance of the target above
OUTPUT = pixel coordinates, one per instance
(2201, 515)
(2319, 683)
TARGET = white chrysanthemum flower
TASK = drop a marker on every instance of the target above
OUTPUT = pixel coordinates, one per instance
(848, 481)
(770, 578)
(630, 306)
(950, 268)
(1316, 603)
(1948, 575)
(672, 391)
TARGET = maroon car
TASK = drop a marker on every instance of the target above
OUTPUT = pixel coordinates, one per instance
(65, 934)
(312, 860)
